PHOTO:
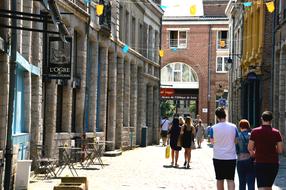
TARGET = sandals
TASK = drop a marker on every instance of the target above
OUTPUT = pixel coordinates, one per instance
(188, 166)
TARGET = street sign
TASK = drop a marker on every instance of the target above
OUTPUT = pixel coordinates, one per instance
(222, 102)
(59, 58)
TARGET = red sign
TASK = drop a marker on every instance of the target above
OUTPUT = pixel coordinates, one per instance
(167, 91)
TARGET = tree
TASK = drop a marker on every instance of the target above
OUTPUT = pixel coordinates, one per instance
(167, 108)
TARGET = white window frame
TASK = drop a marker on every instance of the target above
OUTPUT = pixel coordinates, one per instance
(180, 45)
(218, 39)
(223, 64)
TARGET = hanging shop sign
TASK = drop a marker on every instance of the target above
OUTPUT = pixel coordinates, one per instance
(59, 58)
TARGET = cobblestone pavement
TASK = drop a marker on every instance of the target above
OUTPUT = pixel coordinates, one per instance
(146, 168)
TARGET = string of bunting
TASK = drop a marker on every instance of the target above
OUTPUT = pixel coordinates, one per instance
(270, 5)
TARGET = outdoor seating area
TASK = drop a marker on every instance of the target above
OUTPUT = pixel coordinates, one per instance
(70, 158)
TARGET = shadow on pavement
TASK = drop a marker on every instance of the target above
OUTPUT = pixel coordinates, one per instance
(168, 166)
(281, 176)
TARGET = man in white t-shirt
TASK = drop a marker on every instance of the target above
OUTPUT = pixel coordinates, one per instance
(223, 137)
(165, 123)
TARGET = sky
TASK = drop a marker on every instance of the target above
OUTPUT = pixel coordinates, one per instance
(182, 7)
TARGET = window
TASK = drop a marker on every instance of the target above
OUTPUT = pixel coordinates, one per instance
(121, 23)
(178, 39)
(133, 40)
(178, 72)
(127, 24)
(222, 40)
(221, 64)
(284, 9)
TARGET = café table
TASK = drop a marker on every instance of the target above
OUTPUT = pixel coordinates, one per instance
(68, 159)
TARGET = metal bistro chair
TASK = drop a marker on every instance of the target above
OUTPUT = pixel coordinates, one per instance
(44, 165)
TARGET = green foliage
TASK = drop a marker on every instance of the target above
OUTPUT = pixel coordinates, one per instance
(192, 107)
(167, 108)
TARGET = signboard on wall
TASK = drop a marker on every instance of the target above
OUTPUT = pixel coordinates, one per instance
(167, 92)
(59, 58)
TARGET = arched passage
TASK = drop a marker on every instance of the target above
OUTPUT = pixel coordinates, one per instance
(184, 80)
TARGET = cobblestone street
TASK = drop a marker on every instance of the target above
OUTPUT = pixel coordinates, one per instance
(146, 168)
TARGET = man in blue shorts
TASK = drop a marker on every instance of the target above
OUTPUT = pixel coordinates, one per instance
(223, 137)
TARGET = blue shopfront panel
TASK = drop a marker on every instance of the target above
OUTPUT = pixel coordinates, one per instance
(19, 136)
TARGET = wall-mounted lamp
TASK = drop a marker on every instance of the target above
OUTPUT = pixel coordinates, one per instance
(230, 59)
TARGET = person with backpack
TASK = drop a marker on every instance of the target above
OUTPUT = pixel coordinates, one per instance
(245, 164)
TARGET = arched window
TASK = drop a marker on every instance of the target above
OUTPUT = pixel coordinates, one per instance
(179, 74)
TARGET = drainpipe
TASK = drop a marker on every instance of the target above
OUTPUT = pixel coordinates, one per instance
(98, 83)
(209, 73)
(160, 63)
(9, 145)
(88, 71)
(272, 67)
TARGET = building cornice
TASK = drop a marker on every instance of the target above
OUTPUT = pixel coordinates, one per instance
(154, 7)
(196, 21)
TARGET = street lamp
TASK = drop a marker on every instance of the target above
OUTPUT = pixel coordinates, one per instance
(230, 59)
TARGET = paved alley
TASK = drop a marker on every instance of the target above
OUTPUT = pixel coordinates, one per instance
(146, 168)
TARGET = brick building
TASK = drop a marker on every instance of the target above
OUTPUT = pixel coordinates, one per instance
(112, 93)
(195, 60)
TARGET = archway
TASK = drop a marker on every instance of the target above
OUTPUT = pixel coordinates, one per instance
(184, 82)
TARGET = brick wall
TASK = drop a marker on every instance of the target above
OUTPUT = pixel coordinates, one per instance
(196, 56)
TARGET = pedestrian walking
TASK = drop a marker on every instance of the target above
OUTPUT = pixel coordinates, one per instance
(245, 165)
(208, 132)
(174, 136)
(188, 131)
(165, 124)
(200, 133)
(223, 137)
(265, 144)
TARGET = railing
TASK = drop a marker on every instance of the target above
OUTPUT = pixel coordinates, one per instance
(182, 43)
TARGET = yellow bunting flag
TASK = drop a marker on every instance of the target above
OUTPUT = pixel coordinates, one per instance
(222, 43)
(161, 53)
(270, 6)
(99, 9)
(193, 10)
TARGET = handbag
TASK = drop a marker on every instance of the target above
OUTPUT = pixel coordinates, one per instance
(167, 151)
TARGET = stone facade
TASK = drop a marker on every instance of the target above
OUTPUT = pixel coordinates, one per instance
(252, 61)
(112, 94)
(278, 69)
(233, 11)
(200, 53)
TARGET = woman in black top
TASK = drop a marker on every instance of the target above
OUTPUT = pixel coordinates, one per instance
(188, 131)
(174, 136)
